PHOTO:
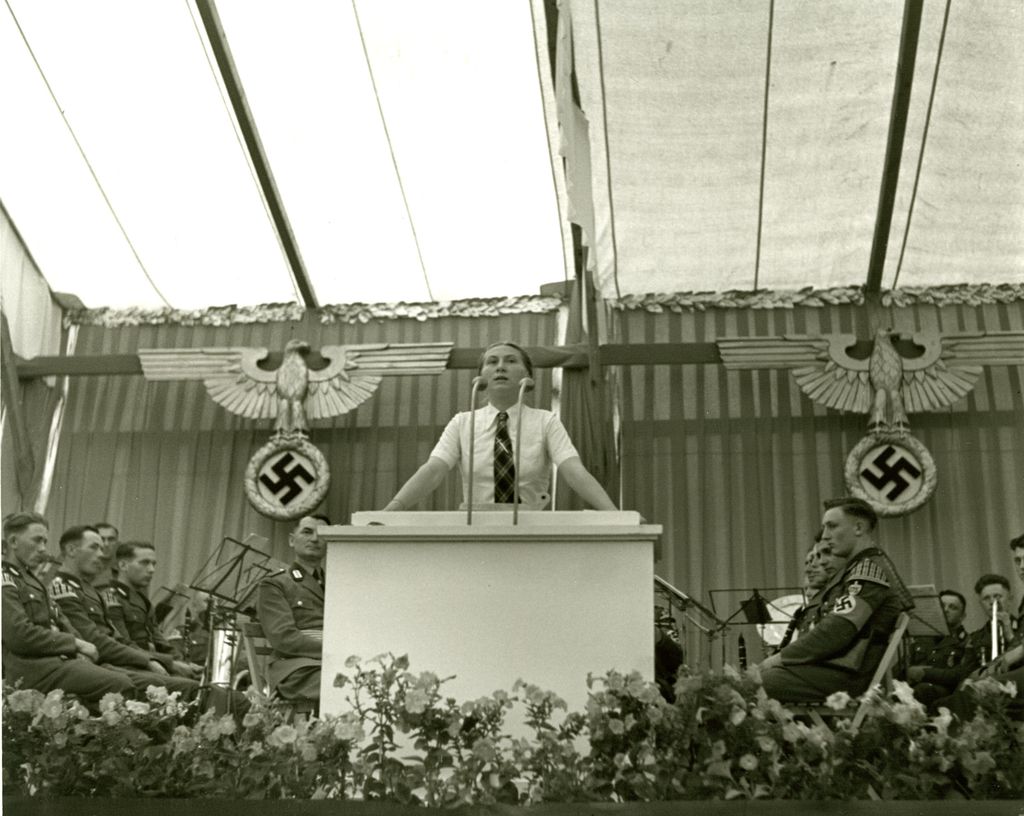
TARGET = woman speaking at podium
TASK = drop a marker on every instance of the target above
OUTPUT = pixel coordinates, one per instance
(505, 371)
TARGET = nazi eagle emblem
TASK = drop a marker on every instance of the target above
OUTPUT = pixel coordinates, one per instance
(288, 477)
(889, 468)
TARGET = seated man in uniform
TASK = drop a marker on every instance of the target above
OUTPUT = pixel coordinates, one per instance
(72, 590)
(132, 613)
(41, 649)
(820, 565)
(851, 626)
(290, 608)
(994, 593)
(938, 664)
(111, 538)
(1009, 665)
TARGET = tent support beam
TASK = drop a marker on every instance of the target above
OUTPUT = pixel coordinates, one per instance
(574, 356)
(250, 135)
(894, 144)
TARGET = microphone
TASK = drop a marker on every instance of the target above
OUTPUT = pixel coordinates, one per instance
(478, 385)
(524, 384)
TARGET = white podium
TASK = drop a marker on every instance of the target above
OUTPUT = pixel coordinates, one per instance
(557, 596)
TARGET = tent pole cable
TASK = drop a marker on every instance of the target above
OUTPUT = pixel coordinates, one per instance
(235, 128)
(924, 141)
(85, 158)
(391, 150)
(764, 144)
(257, 155)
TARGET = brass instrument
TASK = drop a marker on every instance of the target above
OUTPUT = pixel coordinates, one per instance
(998, 639)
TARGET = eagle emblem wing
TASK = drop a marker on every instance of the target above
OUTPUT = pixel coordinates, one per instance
(294, 393)
(355, 372)
(821, 365)
(951, 365)
(231, 375)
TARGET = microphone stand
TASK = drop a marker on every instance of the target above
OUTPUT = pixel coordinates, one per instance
(477, 382)
(524, 383)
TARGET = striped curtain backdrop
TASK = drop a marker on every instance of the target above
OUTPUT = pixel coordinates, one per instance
(735, 464)
(165, 463)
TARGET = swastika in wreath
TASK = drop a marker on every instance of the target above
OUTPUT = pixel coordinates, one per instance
(287, 478)
(893, 472)
(888, 468)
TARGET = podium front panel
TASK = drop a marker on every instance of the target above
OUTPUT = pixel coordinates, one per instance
(545, 602)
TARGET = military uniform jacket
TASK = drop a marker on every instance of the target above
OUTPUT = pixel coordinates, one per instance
(802, 621)
(134, 618)
(83, 606)
(947, 659)
(33, 625)
(290, 608)
(852, 625)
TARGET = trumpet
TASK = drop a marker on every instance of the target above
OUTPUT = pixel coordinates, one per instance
(997, 637)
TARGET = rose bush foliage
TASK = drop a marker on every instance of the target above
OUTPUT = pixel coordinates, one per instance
(404, 741)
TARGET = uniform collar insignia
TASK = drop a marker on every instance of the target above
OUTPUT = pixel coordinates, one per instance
(12, 569)
(297, 574)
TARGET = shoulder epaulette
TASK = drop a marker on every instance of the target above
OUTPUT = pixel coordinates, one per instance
(111, 597)
(868, 570)
(275, 574)
(10, 574)
(62, 587)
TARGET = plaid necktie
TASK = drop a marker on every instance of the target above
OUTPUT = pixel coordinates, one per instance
(504, 466)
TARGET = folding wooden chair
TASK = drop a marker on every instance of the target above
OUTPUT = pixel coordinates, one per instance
(817, 712)
(258, 652)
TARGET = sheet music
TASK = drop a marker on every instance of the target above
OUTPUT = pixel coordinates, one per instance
(926, 618)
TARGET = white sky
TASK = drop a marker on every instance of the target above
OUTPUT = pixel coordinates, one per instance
(459, 89)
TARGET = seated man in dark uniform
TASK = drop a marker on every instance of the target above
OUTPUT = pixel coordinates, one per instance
(1008, 666)
(132, 613)
(851, 627)
(290, 608)
(938, 664)
(80, 601)
(994, 593)
(41, 649)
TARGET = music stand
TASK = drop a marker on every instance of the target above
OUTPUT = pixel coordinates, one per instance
(754, 609)
(229, 572)
(229, 578)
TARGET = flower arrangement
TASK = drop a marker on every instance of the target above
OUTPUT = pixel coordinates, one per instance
(404, 741)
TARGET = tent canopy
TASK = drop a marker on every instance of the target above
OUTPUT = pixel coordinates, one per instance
(415, 146)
